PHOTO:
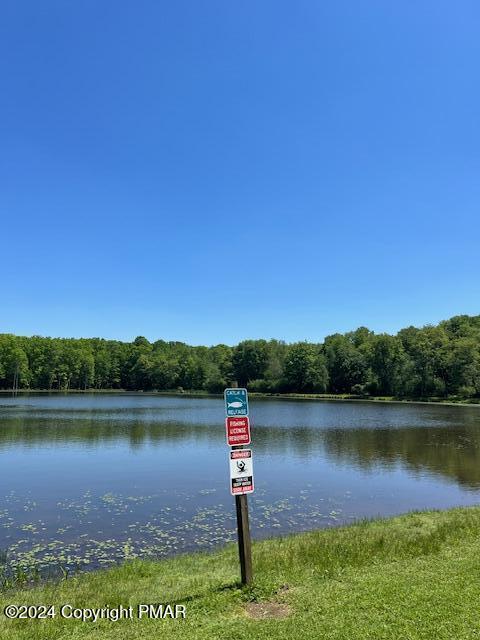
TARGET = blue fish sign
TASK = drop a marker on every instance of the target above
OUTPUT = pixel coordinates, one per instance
(236, 402)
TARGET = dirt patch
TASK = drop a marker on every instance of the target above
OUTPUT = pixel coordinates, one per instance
(263, 610)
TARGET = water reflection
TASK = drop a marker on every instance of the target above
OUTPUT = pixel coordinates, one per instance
(453, 453)
(451, 450)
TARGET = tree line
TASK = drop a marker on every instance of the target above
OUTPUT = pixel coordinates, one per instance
(441, 360)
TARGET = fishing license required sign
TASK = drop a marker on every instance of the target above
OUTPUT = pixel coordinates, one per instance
(238, 430)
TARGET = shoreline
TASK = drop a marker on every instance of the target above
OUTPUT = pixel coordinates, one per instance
(472, 402)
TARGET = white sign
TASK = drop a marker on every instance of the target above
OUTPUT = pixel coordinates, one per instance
(241, 471)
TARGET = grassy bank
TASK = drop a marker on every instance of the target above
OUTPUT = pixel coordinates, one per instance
(451, 400)
(412, 577)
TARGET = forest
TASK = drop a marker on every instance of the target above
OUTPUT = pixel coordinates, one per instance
(432, 361)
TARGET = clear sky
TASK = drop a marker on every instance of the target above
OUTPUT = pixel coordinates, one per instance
(213, 171)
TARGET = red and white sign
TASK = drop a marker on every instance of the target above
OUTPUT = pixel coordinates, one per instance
(241, 471)
(238, 430)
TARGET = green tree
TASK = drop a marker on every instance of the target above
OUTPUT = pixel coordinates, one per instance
(347, 366)
(457, 364)
(389, 364)
(14, 367)
(165, 372)
(423, 346)
(305, 368)
(249, 361)
(215, 382)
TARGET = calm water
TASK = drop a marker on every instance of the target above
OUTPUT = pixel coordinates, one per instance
(87, 480)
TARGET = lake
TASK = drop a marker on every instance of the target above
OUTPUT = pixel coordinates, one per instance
(89, 480)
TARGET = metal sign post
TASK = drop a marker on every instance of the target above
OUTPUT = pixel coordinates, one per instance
(241, 473)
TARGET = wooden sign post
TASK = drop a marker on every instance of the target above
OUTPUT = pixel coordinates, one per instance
(244, 540)
(241, 473)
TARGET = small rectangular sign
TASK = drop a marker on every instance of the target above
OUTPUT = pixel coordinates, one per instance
(236, 402)
(238, 430)
(241, 471)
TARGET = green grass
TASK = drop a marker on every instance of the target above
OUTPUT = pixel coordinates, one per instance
(462, 400)
(412, 577)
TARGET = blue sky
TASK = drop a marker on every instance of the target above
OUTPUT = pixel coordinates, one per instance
(214, 171)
